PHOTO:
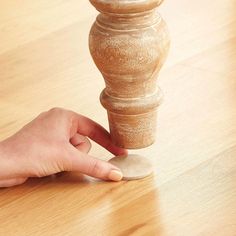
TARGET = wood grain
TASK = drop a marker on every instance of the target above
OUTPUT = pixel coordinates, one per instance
(45, 62)
(130, 52)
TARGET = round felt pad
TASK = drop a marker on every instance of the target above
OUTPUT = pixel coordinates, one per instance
(132, 166)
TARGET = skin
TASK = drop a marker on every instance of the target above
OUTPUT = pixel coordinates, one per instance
(53, 142)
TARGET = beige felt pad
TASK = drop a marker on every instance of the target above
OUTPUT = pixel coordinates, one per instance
(132, 166)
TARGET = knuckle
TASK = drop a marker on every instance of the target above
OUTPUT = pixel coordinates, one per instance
(55, 110)
(96, 168)
(62, 113)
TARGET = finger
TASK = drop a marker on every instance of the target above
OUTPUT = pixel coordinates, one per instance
(96, 132)
(12, 182)
(94, 167)
(81, 143)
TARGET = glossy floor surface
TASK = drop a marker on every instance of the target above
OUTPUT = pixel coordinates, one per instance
(45, 62)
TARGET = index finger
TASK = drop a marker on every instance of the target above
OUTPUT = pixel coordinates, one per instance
(96, 132)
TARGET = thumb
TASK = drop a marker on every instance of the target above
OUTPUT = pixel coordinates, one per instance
(12, 182)
(94, 167)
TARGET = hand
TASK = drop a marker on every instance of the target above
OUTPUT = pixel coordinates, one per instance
(53, 142)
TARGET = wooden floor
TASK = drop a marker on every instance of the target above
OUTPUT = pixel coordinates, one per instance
(45, 62)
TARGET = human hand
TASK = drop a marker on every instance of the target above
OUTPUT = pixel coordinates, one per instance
(53, 142)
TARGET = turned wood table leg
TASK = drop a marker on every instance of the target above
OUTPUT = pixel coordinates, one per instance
(129, 43)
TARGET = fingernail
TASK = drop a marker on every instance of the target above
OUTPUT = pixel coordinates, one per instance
(115, 175)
